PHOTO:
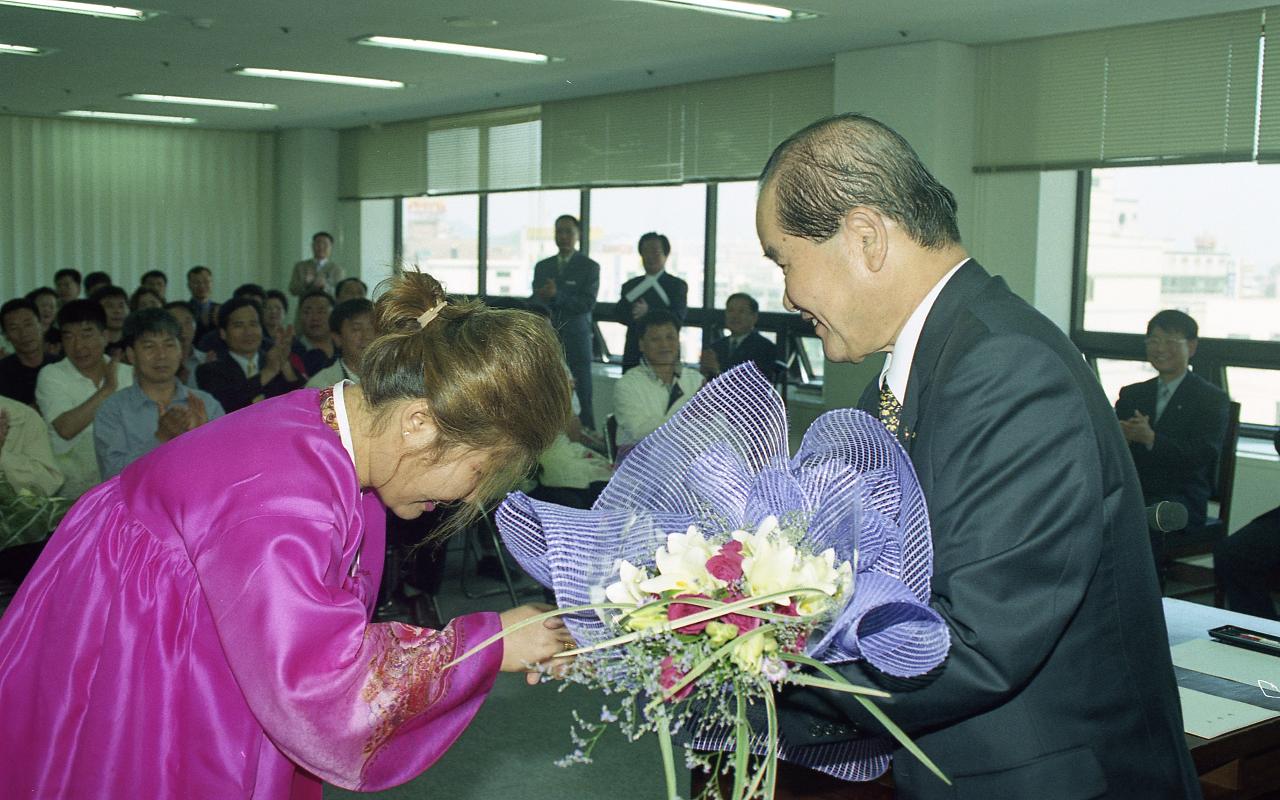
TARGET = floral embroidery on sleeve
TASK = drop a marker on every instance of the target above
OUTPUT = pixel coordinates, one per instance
(406, 676)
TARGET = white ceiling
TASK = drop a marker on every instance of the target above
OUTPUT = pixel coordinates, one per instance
(607, 46)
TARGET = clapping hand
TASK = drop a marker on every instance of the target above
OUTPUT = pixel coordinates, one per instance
(639, 308)
(1137, 429)
(197, 413)
(111, 374)
(709, 363)
(174, 421)
(547, 291)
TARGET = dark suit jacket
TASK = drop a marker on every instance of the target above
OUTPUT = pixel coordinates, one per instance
(1059, 683)
(1181, 465)
(226, 381)
(754, 348)
(576, 288)
(677, 303)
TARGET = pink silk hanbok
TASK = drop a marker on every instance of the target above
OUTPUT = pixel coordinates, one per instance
(198, 627)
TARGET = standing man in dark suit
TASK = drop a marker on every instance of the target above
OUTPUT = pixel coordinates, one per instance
(1176, 421)
(567, 284)
(744, 343)
(653, 290)
(1059, 682)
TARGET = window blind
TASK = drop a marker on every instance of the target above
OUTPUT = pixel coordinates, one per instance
(484, 151)
(384, 161)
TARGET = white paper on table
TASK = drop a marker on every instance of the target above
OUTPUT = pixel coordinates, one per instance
(1207, 716)
(1225, 661)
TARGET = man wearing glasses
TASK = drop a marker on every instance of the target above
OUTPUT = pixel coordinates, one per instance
(1176, 421)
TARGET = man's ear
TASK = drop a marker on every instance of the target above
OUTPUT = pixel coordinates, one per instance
(1191, 348)
(867, 236)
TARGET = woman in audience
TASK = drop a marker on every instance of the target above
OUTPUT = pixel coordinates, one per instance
(274, 309)
(207, 634)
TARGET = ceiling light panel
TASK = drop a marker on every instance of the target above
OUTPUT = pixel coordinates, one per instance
(91, 9)
(202, 101)
(318, 77)
(23, 50)
(454, 49)
(736, 8)
(130, 117)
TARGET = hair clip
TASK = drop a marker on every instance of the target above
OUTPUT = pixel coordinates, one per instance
(429, 314)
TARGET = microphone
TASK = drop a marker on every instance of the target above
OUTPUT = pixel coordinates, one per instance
(1166, 516)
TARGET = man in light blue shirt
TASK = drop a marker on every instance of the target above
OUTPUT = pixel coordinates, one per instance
(157, 407)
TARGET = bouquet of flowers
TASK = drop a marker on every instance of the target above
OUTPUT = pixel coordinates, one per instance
(714, 569)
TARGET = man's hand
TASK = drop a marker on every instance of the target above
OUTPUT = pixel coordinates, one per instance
(197, 413)
(639, 308)
(174, 422)
(1137, 429)
(709, 364)
(547, 291)
(111, 374)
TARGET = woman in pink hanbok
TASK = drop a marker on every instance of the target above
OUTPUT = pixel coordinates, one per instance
(199, 626)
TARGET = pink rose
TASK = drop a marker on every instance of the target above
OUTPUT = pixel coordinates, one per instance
(727, 563)
(670, 676)
(744, 622)
(676, 611)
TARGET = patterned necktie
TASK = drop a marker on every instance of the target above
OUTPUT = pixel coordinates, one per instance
(890, 409)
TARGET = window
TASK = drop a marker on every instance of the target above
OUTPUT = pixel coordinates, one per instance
(740, 265)
(440, 235)
(1198, 238)
(521, 233)
(1115, 374)
(620, 216)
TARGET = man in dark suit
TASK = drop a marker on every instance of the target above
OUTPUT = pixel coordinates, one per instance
(653, 290)
(1176, 421)
(247, 374)
(567, 284)
(744, 343)
(1059, 682)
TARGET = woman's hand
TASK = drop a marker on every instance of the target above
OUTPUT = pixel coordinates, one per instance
(532, 644)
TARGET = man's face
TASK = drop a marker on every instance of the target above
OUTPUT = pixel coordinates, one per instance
(738, 317)
(356, 334)
(68, 288)
(157, 284)
(314, 316)
(321, 247)
(243, 333)
(155, 357)
(652, 257)
(117, 309)
(660, 345)
(187, 323)
(201, 285)
(1169, 351)
(566, 236)
(84, 343)
(828, 285)
(48, 306)
(22, 329)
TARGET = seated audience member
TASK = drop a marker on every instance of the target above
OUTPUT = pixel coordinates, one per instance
(253, 291)
(26, 460)
(1248, 560)
(67, 282)
(653, 291)
(158, 282)
(247, 374)
(46, 301)
(1175, 422)
(200, 284)
(143, 297)
(95, 281)
(350, 289)
(274, 310)
(744, 343)
(20, 323)
(212, 342)
(70, 391)
(351, 324)
(115, 304)
(157, 407)
(191, 357)
(313, 344)
(648, 395)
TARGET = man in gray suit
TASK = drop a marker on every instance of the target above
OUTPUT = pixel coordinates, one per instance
(1059, 682)
(317, 272)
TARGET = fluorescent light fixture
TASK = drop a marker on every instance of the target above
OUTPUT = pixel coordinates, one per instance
(22, 50)
(318, 77)
(91, 9)
(736, 8)
(454, 49)
(201, 101)
(130, 117)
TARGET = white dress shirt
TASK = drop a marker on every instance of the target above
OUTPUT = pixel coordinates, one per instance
(61, 387)
(640, 401)
(897, 364)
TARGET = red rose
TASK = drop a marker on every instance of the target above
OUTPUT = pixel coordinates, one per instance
(676, 611)
(727, 563)
(670, 676)
(744, 622)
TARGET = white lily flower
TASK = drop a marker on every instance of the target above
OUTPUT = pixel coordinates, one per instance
(627, 589)
(682, 565)
(772, 565)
